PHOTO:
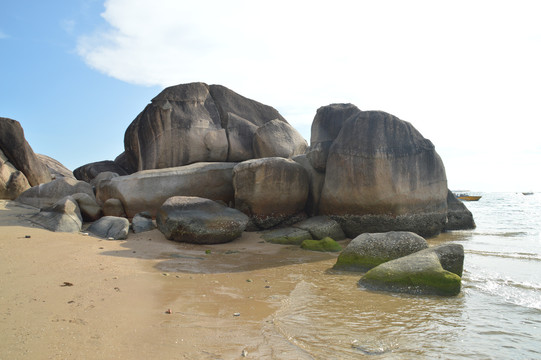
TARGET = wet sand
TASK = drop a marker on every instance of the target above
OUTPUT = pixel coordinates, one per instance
(74, 296)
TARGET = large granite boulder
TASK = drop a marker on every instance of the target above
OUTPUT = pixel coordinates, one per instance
(278, 138)
(19, 153)
(12, 181)
(89, 171)
(110, 227)
(56, 168)
(420, 273)
(383, 175)
(199, 221)
(369, 250)
(195, 122)
(142, 222)
(451, 257)
(147, 190)
(62, 216)
(47, 194)
(458, 215)
(270, 191)
(325, 128)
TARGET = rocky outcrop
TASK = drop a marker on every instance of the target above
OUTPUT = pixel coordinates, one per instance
(89, 171)
(62, 216)
(45, 195)
(325, 128)
(382, 175)
(316, 180)
(191, 123)
(369, 250)
(147, 190)
(270, 191)
(19, 153)
(199, 221)
(458, 215)
(321, 227)
(420, 273)
(110, 227)
(55, 167)
(12, 181)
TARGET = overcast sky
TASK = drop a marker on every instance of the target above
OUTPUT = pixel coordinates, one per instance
(466, 74)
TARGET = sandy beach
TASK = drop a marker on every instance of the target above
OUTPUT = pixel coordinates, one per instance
(67, 296)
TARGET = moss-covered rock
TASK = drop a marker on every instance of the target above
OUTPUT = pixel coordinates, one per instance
(369, 250)
(287, 236)
(420, 273)
(325, 244)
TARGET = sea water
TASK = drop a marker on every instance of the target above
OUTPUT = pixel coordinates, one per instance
(496, 316)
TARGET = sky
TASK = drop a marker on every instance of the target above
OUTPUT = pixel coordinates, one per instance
(465, 74)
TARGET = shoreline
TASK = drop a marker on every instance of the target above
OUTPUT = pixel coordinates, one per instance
(67, 295)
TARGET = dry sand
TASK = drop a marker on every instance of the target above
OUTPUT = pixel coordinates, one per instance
(70, 296)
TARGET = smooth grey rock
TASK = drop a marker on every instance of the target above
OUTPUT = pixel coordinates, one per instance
(89, 171)
(383, 175)
(113, 207)
(47, 194)
(458, 215)
(286, 236)
(20, 154)
(90, 210)
(12, 181)
(325, 128)
(63, 216)
(270, 190)
(419, 273)
(55, 167)
(200, 221)
(278, 138)
(110, 227)
(321, 227)
(369, 250)
(147, 190)
(142, 222)
(106, 175)
(316, 180)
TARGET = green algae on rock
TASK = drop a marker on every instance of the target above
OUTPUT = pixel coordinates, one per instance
(419, 274)
(325, 244)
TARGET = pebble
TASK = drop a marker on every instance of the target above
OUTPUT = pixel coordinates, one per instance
(236, 314)
(244, 353)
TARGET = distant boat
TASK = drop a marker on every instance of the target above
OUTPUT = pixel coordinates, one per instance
(527, 193)
(468, 197)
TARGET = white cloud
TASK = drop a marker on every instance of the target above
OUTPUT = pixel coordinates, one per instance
(448, 68)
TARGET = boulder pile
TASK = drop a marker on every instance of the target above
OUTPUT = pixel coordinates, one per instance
(208, 164)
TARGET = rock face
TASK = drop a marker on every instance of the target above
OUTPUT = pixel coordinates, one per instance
(191, 123)
(278, 138)
(199, 221)
(420, 273)
(63, 216)
(20, 154)
(90, 210)
(147, 190)
(369, 250)
(458, 215)
(270, 190)
(316, 180)
(325, 128)
(45, 195)
(12, 181)
(89, 171)
(110, 227)
(56, 169)
(382, 175)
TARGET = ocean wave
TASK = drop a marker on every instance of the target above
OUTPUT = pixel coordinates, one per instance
(517, 255)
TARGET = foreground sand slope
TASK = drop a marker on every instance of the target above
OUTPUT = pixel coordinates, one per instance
(66, 296)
